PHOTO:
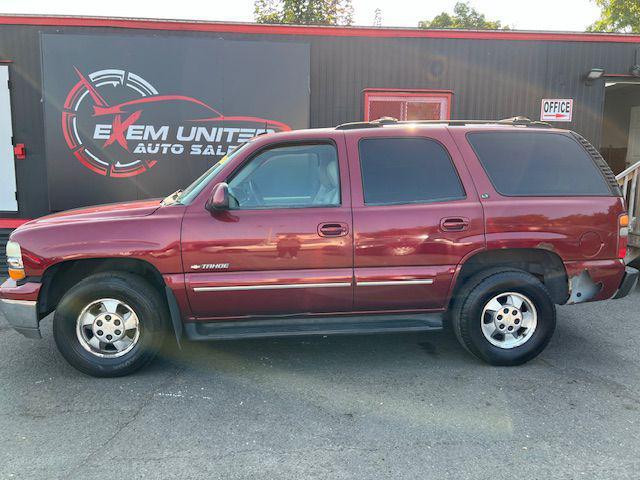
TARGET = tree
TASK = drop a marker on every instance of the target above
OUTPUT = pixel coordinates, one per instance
(464, 17)
(618, 16)
(304, 12)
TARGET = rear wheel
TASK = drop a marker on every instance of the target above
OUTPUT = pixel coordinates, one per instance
(110, 324)
(504, 317)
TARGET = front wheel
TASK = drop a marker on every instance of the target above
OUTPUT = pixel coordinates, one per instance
(504, 317)
(110, 324)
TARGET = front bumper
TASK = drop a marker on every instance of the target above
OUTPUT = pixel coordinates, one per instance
(18, 304)
(629, 281)
(22, 316)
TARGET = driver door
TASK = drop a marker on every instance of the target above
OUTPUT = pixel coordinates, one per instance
(285, 246)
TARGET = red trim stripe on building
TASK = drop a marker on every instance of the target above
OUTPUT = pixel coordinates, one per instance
(11, 223)
(331, 31)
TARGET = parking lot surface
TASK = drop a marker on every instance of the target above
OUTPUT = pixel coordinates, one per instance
(367, 407)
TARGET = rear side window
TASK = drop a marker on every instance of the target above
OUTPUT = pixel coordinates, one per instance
(537, 164)
(407, 170)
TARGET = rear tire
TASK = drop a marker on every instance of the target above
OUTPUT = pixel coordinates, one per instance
(504, 317)
(110, 324)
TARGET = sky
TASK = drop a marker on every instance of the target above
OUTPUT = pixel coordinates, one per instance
(563, 15)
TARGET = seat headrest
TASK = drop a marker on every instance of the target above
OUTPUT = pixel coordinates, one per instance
(332, 172)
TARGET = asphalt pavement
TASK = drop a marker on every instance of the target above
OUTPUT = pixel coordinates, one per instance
(405, 406)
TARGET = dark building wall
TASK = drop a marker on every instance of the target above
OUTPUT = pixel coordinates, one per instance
(491, 79)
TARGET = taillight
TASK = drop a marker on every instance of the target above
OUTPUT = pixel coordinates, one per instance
(623, 235)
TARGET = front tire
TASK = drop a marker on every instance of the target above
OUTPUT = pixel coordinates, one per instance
(504, 317)
(110, 324)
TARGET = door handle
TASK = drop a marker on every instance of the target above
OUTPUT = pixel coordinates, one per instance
(454, 224)
(333, 229)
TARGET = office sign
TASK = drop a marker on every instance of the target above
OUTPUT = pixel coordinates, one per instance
(557, 110)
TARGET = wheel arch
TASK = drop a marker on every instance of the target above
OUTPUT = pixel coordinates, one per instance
(546, 265)
(59, 278)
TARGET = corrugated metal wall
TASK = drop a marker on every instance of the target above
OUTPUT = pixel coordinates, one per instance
(4, 238)
(491, 79)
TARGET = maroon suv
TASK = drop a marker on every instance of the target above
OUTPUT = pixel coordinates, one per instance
(364, 228)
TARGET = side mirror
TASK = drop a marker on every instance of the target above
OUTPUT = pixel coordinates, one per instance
(219, 199)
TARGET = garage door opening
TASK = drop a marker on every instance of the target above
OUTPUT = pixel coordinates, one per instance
(407, 105)
(8, 201)
(621, 148)
(620, 145)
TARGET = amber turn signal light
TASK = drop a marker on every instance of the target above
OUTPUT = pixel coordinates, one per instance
(624, 220)
(16, 274)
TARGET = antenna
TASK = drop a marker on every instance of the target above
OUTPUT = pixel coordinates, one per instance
(266, 124)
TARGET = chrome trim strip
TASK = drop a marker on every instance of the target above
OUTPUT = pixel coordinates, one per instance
(23, 303)
(282, 286)
(426, 281)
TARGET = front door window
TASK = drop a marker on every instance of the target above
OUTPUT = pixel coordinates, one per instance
(288, 177)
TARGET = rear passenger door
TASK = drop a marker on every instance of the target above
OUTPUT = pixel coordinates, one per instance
(416, 215)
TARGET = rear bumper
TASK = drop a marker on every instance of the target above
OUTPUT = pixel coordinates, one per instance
(18, 304)
(594, 280)
(629, 281)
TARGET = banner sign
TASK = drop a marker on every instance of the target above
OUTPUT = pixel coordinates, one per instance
(130, 117)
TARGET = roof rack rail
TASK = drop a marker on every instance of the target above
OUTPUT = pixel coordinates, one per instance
(518, 121)
(373, 124)
(355, 125)
(526, 121)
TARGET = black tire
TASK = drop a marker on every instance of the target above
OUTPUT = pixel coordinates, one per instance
(131, 289)
(480, 289)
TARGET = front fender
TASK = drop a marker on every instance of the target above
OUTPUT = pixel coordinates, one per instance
(154, 238)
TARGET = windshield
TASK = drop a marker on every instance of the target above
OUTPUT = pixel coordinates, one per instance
(187, 195)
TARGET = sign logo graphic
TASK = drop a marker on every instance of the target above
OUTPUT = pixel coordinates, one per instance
(117, 124)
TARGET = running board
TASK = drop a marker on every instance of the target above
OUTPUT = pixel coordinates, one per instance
(305, 326)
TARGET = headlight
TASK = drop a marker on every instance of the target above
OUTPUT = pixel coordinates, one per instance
(14, 261)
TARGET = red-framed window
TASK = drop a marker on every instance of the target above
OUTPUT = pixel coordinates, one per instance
(407, 104)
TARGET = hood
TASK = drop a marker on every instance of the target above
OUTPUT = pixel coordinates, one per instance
(140, 208)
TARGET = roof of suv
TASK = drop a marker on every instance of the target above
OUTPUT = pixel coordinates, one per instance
(388, 121)
(516, 123)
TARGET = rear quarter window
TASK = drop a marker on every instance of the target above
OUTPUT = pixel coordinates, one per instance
(538, 164)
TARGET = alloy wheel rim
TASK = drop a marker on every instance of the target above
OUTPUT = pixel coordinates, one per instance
(108, 328)
(509, 320)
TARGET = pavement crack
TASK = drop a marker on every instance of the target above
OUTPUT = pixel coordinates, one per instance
(147, 399)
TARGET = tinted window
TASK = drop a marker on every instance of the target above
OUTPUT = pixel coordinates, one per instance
(537, 164)
(286, 177)
(407, 170)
